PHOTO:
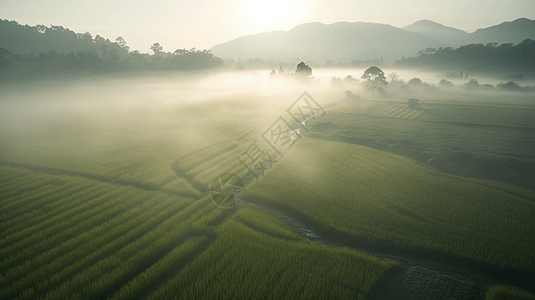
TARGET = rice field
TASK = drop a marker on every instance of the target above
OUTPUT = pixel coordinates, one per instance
(95, 207)
(132, 217)
(67, 237)
(509, 293)
(380, 110)
(382, 196)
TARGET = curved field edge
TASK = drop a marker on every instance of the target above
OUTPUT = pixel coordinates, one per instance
(381, 196)
(122, 243)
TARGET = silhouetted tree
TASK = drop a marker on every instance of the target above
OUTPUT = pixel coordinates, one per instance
(393, 77)
(415, 82)
(472, 84)
(303, 69)
(156, 48)
(445, 84)
(122, 43)
(99, 40)
(180, 52)
(183, 59)
(511, 86)
(374, 76)
(40, 28)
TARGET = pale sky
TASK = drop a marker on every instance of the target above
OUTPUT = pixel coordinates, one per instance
(205, 23)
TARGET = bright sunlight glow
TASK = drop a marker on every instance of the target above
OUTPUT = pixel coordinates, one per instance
(271, 14)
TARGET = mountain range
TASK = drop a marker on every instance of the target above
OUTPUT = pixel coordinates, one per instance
(347, 41)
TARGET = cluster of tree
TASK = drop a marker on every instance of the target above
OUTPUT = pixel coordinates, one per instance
(255, 63)
(259, 63)
(180, 59)
(302, 71)
(355, 63)
(376, 81)
(477, 58)
(416, 84)
(16, 67)
(26, 40)
(70, 53)
(471, 85)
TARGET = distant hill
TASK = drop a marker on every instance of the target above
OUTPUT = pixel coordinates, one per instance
(506, 32)
(343, 41)
(346, 41)
(438, 32)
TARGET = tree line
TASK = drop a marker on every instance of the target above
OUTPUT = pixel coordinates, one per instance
(70, 53)
(477, 58)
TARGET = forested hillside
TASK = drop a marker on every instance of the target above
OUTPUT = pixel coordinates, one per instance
(40, 51)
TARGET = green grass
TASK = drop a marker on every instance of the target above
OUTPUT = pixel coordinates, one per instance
(247, 264)
(264, 222)
(501, 292)
(379, 195)
(66, 237)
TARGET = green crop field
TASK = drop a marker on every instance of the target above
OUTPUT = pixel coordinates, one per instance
(507, 293)
(471, 138)
(379, 195)
(108, 198)
(68, 237)
(382, 110)
(119, 208)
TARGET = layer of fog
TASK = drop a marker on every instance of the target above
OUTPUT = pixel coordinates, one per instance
(116, 97)
(180, 109)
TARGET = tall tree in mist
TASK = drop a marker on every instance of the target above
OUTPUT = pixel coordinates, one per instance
(374, 76)
(303, 70)
(122, 43)
(156, 48)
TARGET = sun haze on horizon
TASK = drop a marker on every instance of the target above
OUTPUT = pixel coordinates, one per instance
(265, 15)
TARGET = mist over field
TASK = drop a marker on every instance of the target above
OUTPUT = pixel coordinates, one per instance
(103, 114)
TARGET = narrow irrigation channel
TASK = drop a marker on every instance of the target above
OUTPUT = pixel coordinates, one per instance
(424, 274)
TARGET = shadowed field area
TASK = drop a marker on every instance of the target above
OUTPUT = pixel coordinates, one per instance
(472, 139)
